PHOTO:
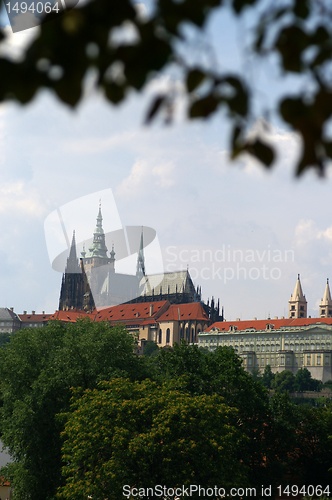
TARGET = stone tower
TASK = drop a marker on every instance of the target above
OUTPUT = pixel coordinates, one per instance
(75, 291)
(325, 306)
(297, 302)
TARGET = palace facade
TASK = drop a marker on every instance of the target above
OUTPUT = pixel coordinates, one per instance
(283, 343)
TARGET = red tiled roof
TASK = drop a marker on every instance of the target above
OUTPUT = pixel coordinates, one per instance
(68, 316)
(184, 312)
(34, 318)
(261, 324)
(128, 312)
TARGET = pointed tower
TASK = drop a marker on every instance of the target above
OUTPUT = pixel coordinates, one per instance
(96, 255)
(75, 292)
(98, 249)
(325, 306)
(297, 302)
(140, 268)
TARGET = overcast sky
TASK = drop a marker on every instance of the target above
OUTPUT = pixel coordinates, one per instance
(244, 233)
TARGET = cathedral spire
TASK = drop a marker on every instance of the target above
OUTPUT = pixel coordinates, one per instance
(297, 302)
(140, 269)
(72, 265)
(98, 248)
(325, 307)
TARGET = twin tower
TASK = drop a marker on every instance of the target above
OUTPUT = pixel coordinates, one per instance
(298, 303)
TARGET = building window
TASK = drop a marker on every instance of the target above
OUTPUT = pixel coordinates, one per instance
(327, 360)
(308, 359)
(323, 311)
(301, 308)
(292, 308)
(160, 336)
(168, 336)
(319, 359)
(282, 360)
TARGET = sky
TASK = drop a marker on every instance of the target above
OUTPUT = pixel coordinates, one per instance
(243, 232)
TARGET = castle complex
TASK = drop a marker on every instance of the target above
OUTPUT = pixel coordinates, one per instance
(167, 309)
(283, 343)
(92, 282)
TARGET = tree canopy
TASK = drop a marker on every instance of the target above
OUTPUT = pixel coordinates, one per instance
(143, 435)
(125, 50)
(80, 411)
(38, 368)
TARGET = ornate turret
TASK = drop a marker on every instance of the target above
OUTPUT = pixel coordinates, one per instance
(98, 249)
(297, 302)
(325, 306)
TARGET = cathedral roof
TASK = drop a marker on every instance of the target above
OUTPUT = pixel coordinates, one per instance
(136, 311)
(176, 282)
(184, 312)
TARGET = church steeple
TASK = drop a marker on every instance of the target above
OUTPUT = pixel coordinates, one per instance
(140, 268)
(297, 302)
(98, 248)
(75, 291)
(325, 306)
(72, 265)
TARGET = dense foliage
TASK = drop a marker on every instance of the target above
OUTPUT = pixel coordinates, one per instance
(38, 368)
(83, 415)
(125, 49)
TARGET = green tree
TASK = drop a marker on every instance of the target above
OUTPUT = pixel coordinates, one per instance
(299, 441)
(295, 35)
(284, 381)
(305, 382)
(144, 434)
(267, 377)
(221, 372)
(38, 368)
(150, 348)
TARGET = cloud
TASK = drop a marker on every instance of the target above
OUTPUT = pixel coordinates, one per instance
(144, 176)
(17, 198)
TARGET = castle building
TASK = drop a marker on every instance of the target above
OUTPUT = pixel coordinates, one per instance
(283, 343)
(94, 283)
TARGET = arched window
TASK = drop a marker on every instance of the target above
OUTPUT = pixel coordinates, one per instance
(192, 334)
(160, 336)
(168, 336)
